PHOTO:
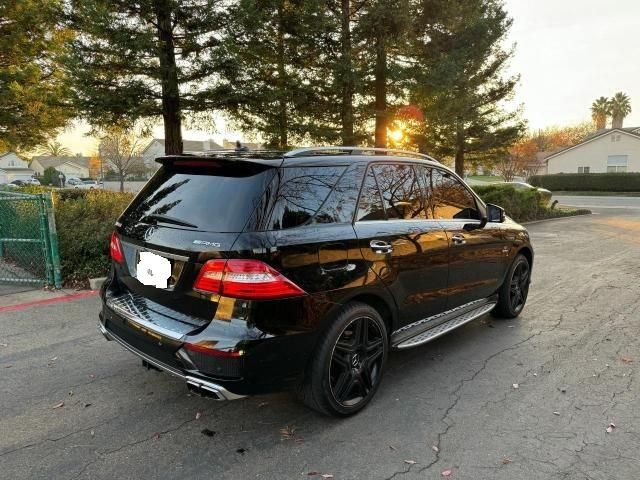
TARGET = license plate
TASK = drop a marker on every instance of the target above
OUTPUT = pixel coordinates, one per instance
(153, 270)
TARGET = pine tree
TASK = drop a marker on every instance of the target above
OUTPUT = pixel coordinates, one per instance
(33, 91)
(144, 59)
(460, 81)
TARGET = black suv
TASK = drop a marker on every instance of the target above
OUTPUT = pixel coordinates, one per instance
(247, 273)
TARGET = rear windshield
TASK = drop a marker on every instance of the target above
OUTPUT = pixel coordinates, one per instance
(220, 197)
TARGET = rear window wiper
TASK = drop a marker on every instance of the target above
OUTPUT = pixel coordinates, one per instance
(167, 219)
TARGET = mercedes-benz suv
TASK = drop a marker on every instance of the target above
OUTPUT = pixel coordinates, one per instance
(252, 272)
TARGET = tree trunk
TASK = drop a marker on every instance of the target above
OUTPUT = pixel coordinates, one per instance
(283, 121)
(460, 142)
(346, 75)
(169, 80)
(121, 182)
(616, 121)
(381, 90)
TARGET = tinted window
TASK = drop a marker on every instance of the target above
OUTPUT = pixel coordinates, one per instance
(294, 196)
(401, 192)
(216, 197)
(341, 203)
(448, 198)
(370, 204)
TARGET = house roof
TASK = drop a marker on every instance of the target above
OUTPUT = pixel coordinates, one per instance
(51, 161)
(189, 145)
(633, 132)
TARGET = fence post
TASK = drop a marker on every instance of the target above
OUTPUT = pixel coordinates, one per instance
(53, 240)
(44, 237)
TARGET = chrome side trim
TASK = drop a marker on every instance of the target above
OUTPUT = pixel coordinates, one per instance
(445, 327)
(219, 390)
(430, 319)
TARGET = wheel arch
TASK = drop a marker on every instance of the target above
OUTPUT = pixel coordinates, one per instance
(528, 253)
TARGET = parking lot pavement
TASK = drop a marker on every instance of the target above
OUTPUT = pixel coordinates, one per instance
(76, 406)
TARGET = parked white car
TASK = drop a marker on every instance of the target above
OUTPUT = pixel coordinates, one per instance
(87, 185)
(33, 181)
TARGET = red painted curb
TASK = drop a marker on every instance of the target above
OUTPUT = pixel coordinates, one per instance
(48, 301)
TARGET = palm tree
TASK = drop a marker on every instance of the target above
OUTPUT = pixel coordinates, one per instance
(600, 111)
(620, 107)
(55, 149)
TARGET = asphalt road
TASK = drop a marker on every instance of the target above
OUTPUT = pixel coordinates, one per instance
(600, 202)
(573, 354)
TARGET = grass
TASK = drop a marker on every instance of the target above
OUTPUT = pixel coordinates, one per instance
(486, 178)
(597, 194)
(560, 212)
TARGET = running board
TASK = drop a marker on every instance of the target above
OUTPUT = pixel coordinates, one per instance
(445, 327)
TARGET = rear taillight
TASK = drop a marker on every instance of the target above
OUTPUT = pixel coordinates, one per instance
(115, 248)
(246, 279)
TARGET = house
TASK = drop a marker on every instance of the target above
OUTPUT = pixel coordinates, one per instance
(606, 151)
(12, 167)
(155, 149)
(76, 166)
(231, 145)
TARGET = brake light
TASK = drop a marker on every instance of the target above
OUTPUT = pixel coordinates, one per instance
(115, 248)
(246, 279)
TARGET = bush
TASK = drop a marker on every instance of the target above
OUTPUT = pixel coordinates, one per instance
(85, 220)
(521, 205)
(601, 182)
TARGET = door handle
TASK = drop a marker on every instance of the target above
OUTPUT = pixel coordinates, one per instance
(381, 247)
(458, 239)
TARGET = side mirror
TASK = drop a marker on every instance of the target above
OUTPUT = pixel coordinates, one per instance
(495, 214)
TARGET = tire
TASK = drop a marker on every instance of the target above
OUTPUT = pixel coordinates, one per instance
(513, 293)
(347, 366)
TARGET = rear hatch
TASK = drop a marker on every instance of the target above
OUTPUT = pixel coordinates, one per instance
(191, 211)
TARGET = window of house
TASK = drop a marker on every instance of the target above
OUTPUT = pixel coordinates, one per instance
(584, 169)
(617, 163)
(616, 137)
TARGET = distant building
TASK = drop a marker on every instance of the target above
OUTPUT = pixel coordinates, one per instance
(606, 151)
(76, 166)
(12, 167)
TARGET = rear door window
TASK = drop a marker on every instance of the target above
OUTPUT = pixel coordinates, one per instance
(215, 197)
(370, 204)
(401, 193)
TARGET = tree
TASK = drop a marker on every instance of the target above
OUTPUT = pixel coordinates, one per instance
(521, 159)
(620, 106)
(277, 47)
(55, 149)
(51, 176)
(143, 59)
(600, 111)
(459, 80)
(121, 149)
(33, 88)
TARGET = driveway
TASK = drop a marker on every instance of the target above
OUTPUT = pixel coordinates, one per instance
(600, 202)
(530, 398)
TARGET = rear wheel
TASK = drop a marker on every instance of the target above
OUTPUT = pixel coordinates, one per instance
(513, 293)
(348, 364)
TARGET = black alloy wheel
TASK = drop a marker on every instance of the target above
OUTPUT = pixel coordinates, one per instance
(356, 362)
(513, 293)
(519, 287)
(346, 369)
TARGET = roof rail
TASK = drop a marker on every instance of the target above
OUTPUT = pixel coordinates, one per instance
(300, 152)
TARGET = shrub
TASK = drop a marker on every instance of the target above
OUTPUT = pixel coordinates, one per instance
(85, 220)
(601, 182)
(521, 205)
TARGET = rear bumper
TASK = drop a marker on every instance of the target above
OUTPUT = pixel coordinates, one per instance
(199, 385)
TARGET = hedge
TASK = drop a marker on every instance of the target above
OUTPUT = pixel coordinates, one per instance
(521, 205)
(601, 182)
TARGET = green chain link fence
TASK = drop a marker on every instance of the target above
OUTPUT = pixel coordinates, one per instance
(28, 240)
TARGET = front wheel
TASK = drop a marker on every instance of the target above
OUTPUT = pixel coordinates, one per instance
(347, 367)
(513, 293)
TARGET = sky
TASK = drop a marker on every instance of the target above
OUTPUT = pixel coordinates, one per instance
(568, 53)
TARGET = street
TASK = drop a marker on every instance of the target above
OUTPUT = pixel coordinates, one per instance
(529, 398)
